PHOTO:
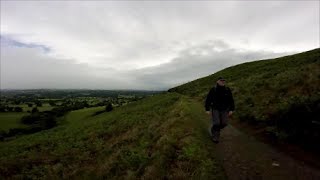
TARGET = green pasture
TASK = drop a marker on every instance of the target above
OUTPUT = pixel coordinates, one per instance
(10, 120)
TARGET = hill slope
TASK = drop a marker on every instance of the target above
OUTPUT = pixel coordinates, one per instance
(158, 137)
(282, 94)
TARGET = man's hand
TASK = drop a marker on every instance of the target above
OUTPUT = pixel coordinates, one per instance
(230, 113)
(208, 112)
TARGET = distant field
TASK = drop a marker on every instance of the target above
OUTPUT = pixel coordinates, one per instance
(10, 120)
(44, 107)
(49, 99)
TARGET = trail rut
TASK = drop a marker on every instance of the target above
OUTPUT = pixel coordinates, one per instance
(245, 158)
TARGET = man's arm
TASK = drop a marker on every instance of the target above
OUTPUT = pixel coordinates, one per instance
(208, 100)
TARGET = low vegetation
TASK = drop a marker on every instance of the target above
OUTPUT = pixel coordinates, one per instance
(157, 137)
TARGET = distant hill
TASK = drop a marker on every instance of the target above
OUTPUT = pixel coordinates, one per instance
(282, 94)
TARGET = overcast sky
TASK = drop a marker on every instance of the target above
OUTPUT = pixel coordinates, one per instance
(145, 45)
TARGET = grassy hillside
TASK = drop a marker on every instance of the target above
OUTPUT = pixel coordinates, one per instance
(281, 94)
(163, 136)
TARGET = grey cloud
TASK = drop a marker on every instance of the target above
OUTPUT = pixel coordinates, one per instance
(29, 68)
(193, 64)
(146, 45)
(139, 33)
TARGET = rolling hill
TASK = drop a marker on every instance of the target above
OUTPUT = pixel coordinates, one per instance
(281, 95)
(166, 136)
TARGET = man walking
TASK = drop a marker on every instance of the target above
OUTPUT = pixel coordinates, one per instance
(220, 101)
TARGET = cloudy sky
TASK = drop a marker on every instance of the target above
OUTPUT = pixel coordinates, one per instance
(149, 45)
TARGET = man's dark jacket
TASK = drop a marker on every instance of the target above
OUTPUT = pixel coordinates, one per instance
(219, 98)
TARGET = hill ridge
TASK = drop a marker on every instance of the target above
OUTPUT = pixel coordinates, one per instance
(281, 94)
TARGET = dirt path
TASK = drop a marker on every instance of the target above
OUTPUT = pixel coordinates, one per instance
(245, 158)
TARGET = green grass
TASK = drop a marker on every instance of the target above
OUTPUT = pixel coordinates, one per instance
(78, 116)
(262, 88)
(9, 120)
(161, 136)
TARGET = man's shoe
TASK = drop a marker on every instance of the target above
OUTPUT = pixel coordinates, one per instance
(215, 140)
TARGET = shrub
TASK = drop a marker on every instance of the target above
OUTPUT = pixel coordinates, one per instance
(18, 109)
(109, 107)
(34, 110)
(44, 120)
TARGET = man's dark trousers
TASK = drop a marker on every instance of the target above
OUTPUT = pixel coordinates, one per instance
(219, 121)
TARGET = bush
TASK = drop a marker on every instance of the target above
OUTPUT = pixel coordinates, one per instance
(298, 120)
(30, 119)
(44, 120)
(3, 108)
(2, 135)
(18, 109)
(52, 103)
(35, 110)
(109, 107)
(38, 103)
